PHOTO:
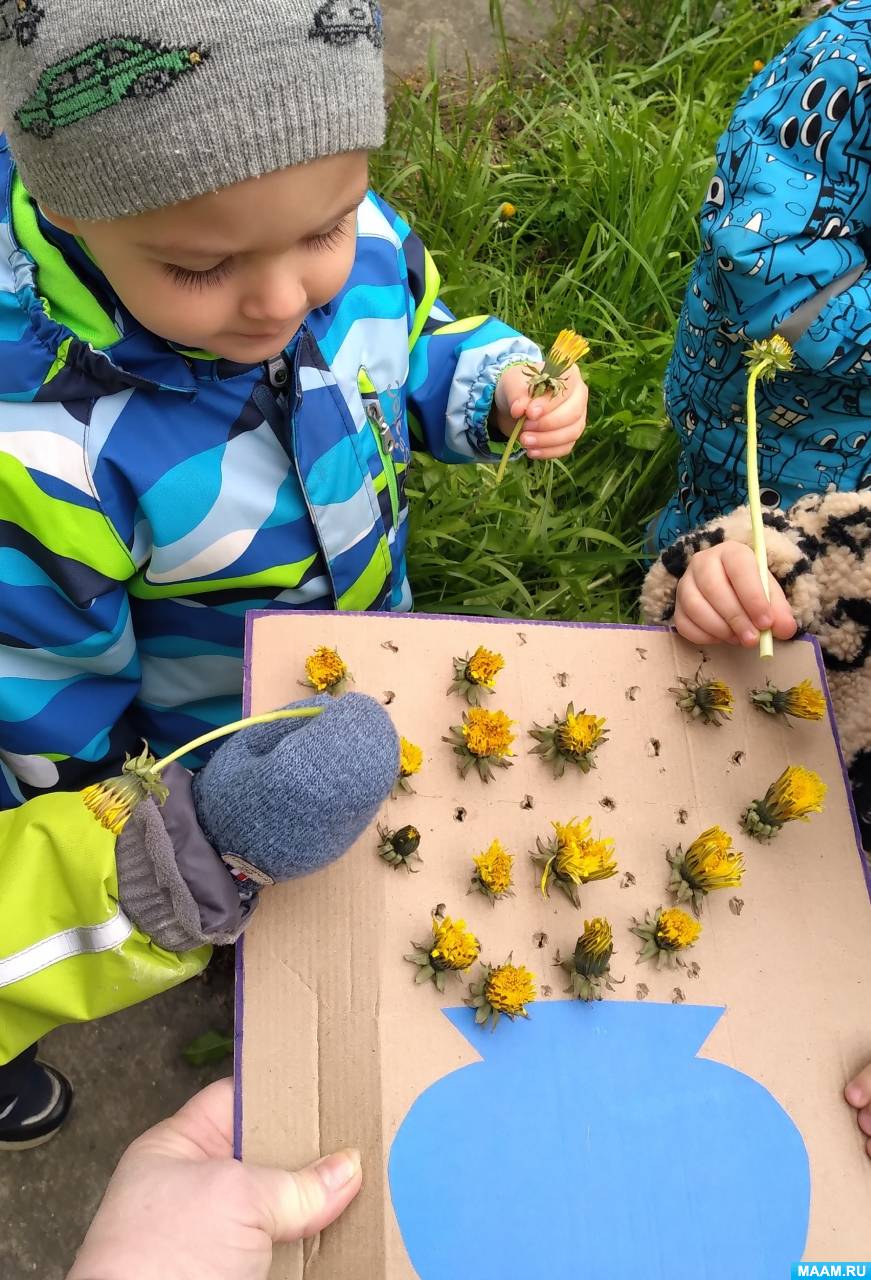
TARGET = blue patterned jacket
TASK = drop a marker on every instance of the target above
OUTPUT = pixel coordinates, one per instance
(149, 498)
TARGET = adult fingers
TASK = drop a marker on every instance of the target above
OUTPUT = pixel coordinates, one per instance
(301, 1204)
(201, 1130)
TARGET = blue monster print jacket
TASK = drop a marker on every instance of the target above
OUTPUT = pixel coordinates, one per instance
(786, 234)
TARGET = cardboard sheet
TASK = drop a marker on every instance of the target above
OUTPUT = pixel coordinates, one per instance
(594, 1139)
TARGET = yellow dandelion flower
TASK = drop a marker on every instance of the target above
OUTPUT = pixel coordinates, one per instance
(568, 348)
(573, 858)
(112, 802)
(488, 733)
(507, 210)
(483, 667)
(573, 739)
(580, 733)
(796, 794)
(664, 935)
(769, 357)
(720, 696)
(325, 669)
(572, 833)
(509, 988)
(758, 65)
(675, 930)
(804, 701)
(593, 860)
(589, 967)
(597, 940)
(493, 870)
(708, 700)
(399, 848)
(410, 758)
(711, 862)
(453, 946)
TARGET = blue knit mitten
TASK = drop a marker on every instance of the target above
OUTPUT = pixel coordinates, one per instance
(284, 799)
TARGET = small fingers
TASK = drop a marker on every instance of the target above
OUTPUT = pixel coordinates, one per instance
(784, 625)
(705, 617)
(553, 444)
(716, 586)
(561, 408)
(690, 631)
(741, 569)
(858, 1091)
(864, 1121)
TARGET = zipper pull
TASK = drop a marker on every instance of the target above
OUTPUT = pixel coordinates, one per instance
(277, 372)
(375, 414)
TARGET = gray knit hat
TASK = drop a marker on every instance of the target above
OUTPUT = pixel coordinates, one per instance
(117, 106)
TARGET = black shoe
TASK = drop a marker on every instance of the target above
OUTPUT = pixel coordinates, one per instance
(38, 1114)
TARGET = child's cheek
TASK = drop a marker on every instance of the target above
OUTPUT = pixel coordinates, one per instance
(328, 278)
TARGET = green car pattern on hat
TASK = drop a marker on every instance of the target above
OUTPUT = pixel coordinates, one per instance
(101, 76)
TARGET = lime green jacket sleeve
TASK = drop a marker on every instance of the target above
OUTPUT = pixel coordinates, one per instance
(68, 953)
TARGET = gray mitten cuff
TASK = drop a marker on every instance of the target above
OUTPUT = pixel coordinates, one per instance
(171, 882)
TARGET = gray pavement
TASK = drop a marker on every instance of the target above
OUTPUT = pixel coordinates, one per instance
(128, 1073)
(128, 1069)
(453, 30)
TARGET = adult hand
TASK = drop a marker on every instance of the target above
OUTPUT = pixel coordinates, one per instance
(179, 1207)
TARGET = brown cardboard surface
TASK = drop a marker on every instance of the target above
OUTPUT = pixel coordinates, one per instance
(338, 1042)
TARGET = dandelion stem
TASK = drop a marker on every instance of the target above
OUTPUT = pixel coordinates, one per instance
(267, 718)
(766, 642)
(509, 448)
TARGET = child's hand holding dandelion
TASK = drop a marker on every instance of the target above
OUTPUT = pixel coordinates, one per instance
(549, 401)
(720, 599)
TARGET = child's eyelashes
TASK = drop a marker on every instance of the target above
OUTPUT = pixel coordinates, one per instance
(197, 279)
(329, 239)
(190, 279)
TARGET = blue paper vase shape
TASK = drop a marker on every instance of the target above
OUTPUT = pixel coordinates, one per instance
(592, 1144)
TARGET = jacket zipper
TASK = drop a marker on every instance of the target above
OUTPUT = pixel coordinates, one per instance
(379, 428)
(276, 368)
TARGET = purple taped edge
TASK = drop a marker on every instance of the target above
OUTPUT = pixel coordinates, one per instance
(239, 971)
(866, 870)
(238, 1019)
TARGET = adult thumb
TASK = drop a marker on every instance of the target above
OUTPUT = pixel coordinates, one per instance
(301, 1204)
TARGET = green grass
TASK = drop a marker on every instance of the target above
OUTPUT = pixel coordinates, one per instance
(603, 138)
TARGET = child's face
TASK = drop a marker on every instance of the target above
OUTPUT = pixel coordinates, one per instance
(236, 272)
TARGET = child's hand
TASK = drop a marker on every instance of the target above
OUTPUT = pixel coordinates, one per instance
(720, 598)
(858, 1094)
(554, 423)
